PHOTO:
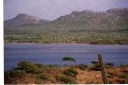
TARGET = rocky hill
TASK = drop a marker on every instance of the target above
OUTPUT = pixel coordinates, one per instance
(111, 19)
(24, 19)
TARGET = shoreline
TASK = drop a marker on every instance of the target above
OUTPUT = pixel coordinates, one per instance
(61, 43)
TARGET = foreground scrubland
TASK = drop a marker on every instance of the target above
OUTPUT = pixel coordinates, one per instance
(29, 73)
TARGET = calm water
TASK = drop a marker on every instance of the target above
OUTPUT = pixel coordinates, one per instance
(53, 53)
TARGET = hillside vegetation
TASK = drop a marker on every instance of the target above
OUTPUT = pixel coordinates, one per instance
(110, 27)
(27, 72)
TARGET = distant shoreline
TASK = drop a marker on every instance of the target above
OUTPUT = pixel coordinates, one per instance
(62, 43)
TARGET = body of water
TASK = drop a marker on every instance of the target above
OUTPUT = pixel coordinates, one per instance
(53, 53)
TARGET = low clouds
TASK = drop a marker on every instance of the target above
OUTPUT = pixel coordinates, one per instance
(52, 9)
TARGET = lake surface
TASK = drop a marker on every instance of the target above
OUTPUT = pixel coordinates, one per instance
(53, 53)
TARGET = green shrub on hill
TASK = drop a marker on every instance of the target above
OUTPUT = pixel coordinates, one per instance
(64, 79)
(82, 66)
(28, 67)
(42, 77)
(96, 65)
(70, 72)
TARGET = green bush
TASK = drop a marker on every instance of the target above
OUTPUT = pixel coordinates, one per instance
(17, 73)
(71, 72)
(64, 79)
(109, 64)
(42, 77)
(96, 65)
(123, 65)
(29, 67)
(82, 66)
(94, 62)
(14, 73)
(52, 66)
(39, 65)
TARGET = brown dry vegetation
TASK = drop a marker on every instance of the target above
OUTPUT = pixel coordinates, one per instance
(51, 74)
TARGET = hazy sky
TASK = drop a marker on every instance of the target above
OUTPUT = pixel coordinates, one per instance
(52, 9)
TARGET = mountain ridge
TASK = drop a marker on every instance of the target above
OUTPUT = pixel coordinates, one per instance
(111, 19)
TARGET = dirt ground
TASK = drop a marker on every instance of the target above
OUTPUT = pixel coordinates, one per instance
(86, 76)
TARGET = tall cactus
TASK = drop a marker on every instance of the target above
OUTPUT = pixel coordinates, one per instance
(102, 69)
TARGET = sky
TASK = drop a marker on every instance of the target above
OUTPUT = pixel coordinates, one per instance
(52, 9)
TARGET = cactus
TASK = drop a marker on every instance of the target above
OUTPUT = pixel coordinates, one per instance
(102, 69)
